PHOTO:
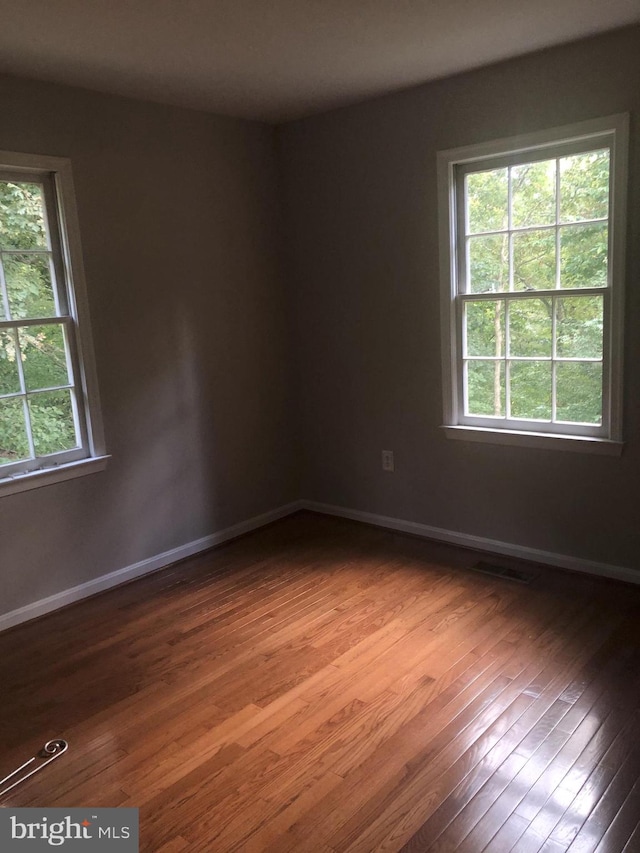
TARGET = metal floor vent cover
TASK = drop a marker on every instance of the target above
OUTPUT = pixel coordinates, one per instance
(504, 572)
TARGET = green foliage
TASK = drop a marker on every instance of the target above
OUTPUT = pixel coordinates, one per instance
(533, 194)
(530, 389)
(534, 260)
(583, 256)
(489, 263)
(487, 200)
(579, 392)
(526, 260)
(29, 286)
(485, 388)
(42, 349)
(579, 327)
(485, 327)
(584, 186)
(44, 360)
(52, 422)
(14, 444)
(9, 377)
(22, 221)
(530, 327)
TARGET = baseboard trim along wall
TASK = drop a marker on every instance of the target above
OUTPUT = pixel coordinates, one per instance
(167, 558)
(144, 567)
(479, 543)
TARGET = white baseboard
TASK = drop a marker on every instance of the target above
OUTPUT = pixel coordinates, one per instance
(161, 561)
(480, 543)
(144, 567)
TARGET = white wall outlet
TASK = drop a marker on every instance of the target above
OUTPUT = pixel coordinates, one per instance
(387, 460)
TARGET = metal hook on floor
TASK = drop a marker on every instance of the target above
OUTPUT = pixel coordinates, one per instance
(50, 751)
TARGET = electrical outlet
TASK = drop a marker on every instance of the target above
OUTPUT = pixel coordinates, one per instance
(387, 460)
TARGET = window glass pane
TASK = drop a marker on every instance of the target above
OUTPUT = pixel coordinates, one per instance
(22, 219)
(530, 327)
(584, 186)
(9, 377)
(485, 388)
(487, 201)
(579, 392)
(29, 286)
(44, 359)
(485, 328)
(534, 260)
(52, 422)
(533, 194)
(579, 327)
(14, 444)
(530, 386)
(583, 255)
(489, 263)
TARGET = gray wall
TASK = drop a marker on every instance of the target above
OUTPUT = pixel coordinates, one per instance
(180, 224)
(217, 378)
(360, 194)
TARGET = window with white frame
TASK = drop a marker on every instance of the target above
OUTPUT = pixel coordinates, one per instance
(49, 418)
(532, 237)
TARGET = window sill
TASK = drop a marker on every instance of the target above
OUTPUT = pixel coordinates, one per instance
(541, 440)
(36, 479)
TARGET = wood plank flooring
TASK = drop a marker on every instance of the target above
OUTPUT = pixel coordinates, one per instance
(322, 686)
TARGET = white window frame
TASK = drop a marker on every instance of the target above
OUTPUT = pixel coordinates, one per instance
(611, 132)
(56, 174)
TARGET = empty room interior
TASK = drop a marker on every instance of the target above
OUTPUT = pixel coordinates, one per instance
(320, 425)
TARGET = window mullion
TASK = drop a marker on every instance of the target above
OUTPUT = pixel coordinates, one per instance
(54, 234)
(68, 387)
(525, 229)
(491, 296)
(64, 320)
(27, 419)
(507, 362)
(73, 370)
(554, 304)
(557, 224)
(462, 244)
(4, 296)
(460, 377)
(509, 225)
(23, 393)
(554, 355)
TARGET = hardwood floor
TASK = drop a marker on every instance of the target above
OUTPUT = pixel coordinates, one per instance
(323, 686)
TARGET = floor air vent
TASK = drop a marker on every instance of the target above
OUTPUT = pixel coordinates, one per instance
(504, 572)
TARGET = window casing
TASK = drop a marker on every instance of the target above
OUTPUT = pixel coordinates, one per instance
(50, 426)
(532, 252)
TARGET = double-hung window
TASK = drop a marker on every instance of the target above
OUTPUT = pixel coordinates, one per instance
(532, 250)
(49, 419)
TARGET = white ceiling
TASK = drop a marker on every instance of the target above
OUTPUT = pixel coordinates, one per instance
(275, 60)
